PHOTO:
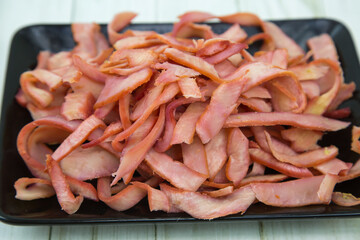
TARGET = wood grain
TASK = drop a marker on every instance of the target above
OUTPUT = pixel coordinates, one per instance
(319, 229)
(71, 232)
(209, 230)
(125, 232)
(21, 232)
(17, 14)
(103, 11)
(169, 10)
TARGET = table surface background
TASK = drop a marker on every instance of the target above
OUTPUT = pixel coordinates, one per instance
(19, 13)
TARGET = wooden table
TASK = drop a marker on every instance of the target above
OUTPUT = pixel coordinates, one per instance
(18, 13)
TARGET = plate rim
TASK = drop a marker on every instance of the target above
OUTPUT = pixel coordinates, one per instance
(16, 220)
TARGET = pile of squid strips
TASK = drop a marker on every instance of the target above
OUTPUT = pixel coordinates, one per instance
(189, 119)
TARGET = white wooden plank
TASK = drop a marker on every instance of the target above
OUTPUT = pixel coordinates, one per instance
(208, 230)
(20, 13)
(142, 231)
(23, 232)
(103, 11)
(346, 12)
(129, 232)
(77, 232)
(168, 11)
(282, 9)
(319, 229)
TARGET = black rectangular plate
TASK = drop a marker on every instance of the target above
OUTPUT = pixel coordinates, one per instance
(25, 46)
